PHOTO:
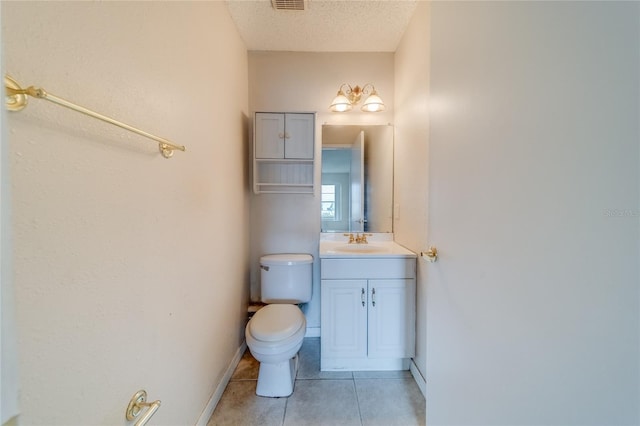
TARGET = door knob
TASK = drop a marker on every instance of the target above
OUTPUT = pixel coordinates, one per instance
(431, 254)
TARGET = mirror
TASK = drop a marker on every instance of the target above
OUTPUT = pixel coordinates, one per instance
(357, 178)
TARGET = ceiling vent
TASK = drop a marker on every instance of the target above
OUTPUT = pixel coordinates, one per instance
(288, 4)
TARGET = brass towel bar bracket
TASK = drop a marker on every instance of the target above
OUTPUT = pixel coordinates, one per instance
(137, 403)
(17, 99)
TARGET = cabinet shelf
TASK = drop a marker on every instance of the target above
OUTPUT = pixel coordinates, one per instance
(283, 188)
(283, 161)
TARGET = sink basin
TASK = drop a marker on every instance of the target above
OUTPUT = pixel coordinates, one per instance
(332, 247)
(359, 248)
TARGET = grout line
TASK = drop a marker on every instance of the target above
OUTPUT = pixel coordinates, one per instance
(286, 405)
(325, 378)
(355, 390)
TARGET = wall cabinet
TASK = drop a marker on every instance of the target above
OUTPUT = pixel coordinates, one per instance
(367, 314)
(283, 152)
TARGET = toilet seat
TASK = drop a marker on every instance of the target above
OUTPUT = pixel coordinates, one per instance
(275, 323)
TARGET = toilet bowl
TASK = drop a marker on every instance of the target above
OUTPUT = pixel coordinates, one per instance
(275, 333)
(274, 336)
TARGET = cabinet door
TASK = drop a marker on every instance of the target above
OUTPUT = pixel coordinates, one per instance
(299, 135)
(343, 318)
(392, 315)
(270, 134)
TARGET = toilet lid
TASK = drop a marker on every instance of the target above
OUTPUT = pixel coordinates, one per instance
(276, 322)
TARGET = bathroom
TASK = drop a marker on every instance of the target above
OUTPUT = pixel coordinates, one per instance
(131, 271)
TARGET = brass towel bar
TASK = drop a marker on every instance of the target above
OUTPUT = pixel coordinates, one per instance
(16, 99)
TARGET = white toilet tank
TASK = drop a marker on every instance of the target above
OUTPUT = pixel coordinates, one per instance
(286, 278)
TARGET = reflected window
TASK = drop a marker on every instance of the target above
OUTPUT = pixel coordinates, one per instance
(330, 202)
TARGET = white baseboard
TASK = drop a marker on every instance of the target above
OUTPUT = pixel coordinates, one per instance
(217, 394)
(312, 332)
(417, 376)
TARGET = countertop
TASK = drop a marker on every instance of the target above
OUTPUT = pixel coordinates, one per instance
(380, 245)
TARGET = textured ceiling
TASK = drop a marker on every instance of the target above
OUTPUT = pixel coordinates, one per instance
(324, 25)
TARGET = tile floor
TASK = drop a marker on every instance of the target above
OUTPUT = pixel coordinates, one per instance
(343, 398)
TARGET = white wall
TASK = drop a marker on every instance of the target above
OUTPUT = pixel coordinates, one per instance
(411, 155)
(532, 308)
(130, 270)
(306, 82)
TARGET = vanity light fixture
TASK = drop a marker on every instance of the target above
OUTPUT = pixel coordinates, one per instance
(350, 96)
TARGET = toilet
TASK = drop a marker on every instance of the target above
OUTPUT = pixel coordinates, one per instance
(274, 334)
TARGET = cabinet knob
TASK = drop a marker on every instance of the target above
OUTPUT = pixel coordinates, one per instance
(286, 135)
(281, 135)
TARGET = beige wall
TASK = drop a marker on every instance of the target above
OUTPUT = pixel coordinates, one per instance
(295, 82)
(130, 270)
(8, 351)
(411, 155)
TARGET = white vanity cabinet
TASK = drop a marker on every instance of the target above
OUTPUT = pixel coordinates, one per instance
(367, 313)
(283, 152)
